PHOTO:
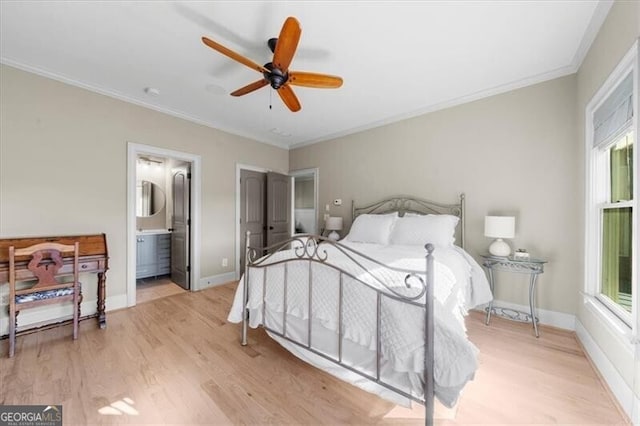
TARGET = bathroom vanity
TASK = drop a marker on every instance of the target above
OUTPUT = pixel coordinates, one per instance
(153, 253)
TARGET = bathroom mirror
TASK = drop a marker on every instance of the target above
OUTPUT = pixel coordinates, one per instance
(150, 199)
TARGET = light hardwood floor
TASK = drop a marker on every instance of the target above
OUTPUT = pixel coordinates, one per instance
(176, 360)
(148, 289)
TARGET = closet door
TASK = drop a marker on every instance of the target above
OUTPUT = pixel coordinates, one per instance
(278, 208)
(252, 210)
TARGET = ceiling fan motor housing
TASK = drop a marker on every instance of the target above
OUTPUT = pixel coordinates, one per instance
(275, 76)
(272, 44)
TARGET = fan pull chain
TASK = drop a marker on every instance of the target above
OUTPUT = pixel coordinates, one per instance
(270, 95)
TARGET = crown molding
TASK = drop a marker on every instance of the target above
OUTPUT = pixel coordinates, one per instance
(122, 97)
(518, 84)
(597, 19)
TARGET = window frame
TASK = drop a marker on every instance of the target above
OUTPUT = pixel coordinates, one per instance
(603, 189)
(595, 202)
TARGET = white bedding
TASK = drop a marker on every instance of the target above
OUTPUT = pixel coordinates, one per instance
(460, 285)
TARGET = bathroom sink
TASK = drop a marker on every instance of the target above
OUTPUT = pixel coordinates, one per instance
(152, 231)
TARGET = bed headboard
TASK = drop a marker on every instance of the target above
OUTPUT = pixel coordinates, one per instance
(405, 204)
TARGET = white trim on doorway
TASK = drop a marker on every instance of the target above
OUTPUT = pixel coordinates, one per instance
(239, 168)
(133, 151)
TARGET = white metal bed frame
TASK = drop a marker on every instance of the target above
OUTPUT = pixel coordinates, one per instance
(311, 248)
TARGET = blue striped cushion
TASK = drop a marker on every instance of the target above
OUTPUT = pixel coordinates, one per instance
(41, 295)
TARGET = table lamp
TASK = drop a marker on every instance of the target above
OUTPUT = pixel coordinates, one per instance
(333, 224)
(499, 227)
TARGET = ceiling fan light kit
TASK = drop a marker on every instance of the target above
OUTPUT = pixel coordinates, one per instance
(276, 73)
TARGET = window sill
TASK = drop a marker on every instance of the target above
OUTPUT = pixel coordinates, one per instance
(617, 327)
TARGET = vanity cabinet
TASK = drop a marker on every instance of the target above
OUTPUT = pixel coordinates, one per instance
(153, 255)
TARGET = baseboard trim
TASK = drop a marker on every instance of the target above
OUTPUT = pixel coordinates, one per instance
(552, 318)
(216, 280)
(115, 302)
(614, 381)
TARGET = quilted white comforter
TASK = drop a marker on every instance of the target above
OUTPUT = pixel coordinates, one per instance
(459, 285)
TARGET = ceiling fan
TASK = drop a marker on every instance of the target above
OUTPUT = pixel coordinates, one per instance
(276, 73)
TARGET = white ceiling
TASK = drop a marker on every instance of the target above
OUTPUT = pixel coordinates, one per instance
(397, 59)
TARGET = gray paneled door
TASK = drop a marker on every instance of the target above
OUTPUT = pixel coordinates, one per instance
(180, 223)
(252, 210)
(278, 208)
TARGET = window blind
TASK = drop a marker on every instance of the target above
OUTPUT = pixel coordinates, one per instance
(614, 116)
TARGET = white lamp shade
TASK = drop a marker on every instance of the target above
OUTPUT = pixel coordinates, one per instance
(499, 226)
(333, 223)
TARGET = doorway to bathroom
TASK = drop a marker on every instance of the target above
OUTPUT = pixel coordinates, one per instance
(163, 212)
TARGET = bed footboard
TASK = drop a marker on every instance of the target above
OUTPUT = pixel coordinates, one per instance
(416, 290)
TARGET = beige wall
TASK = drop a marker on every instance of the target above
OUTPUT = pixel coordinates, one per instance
(63, 168)
(617, 35)
(511, 154)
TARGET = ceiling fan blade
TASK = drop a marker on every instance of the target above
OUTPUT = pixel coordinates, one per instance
(289, 98)
(250, 87)
(311, 79)
(287, 43)
(233, 55)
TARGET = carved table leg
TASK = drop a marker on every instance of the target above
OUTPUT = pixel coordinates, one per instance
(102, 317)
(80, 302)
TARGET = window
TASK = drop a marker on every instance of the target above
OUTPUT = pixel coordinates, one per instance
(611, 247)
(616, 229)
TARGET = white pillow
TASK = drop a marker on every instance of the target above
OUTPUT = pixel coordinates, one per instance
(438, 230)
(372, 228)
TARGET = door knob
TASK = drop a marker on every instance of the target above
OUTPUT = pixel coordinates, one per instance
(271, 228)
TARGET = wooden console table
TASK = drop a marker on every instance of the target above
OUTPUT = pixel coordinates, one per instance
(93, 257)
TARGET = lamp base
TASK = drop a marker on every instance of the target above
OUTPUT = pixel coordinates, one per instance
(499, 248)
(334, 236)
